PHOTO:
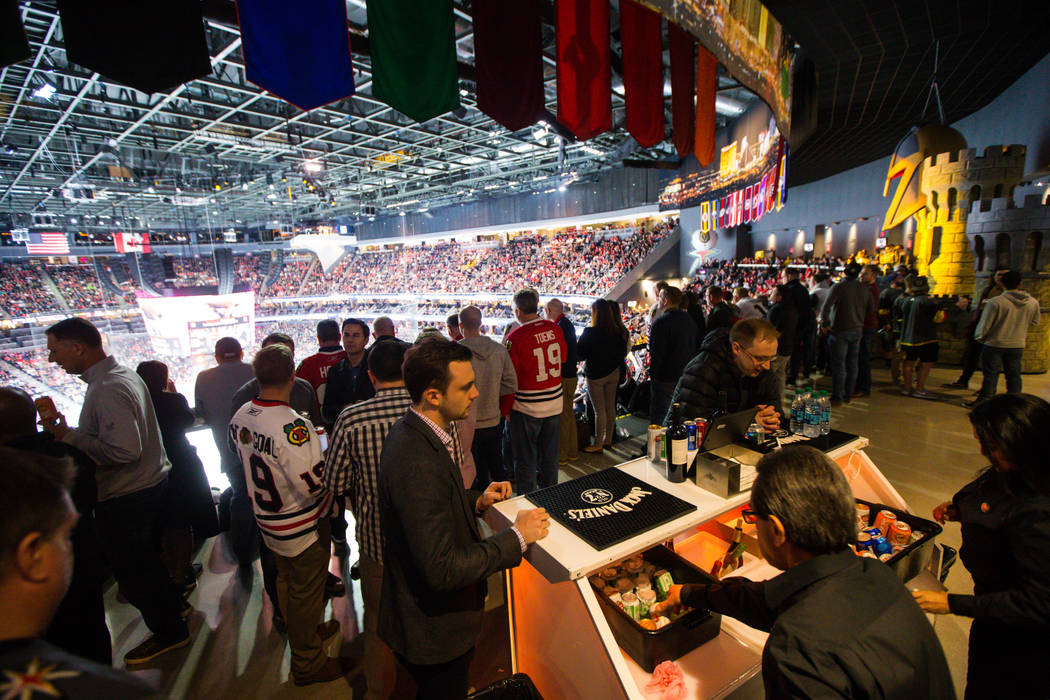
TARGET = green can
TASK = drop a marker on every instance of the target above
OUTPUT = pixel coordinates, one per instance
(646, 600)
(631, 605)
(663, 581)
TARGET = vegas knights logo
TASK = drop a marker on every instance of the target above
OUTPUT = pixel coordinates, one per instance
(625, 504)
(297, 432)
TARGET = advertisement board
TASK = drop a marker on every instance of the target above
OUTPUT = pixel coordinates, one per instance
(181, 326)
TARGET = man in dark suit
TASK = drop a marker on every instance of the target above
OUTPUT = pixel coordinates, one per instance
(436, 562)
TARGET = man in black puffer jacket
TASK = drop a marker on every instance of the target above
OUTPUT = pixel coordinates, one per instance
(731, 373)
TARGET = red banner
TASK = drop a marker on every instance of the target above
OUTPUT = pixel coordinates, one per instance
(581, 30)
(131, 242)
(508, 45)
(683, 68)
(706, 89)
(643, 72)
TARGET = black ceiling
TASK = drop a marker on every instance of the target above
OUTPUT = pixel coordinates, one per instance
(874, 63)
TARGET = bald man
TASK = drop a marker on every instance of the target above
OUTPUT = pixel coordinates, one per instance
(568, 441)
(79, 625)
(383, 328)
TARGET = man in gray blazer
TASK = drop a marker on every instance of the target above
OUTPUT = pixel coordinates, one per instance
(436, 562)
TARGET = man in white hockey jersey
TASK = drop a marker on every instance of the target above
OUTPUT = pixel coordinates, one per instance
(283, 463)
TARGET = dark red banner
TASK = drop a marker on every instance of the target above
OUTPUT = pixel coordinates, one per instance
(581, 30)
(683, 71)
(706, 89)
(508, 45)
(643, 72)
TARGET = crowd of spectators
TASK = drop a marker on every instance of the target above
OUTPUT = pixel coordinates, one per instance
(81, 287)
(23, 291)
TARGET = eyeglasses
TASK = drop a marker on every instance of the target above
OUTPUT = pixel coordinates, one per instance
(764, 360)
(750, 517)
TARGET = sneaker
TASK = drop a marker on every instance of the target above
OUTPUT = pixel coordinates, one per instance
(907, 392)
(923, 394)
(332, 670)
(334, 587)
(152, 648)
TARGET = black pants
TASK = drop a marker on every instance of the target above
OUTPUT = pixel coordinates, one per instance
(79, 624)
(128, 529)
(447, 681)
(971, 358)
(487, 449)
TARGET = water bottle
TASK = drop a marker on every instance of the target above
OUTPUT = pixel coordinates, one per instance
(825, 413)
(812, 426)
(797, 414)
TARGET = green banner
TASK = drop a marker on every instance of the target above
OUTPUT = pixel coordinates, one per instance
(414, 56)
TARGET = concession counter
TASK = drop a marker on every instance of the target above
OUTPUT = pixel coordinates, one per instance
(560, 631)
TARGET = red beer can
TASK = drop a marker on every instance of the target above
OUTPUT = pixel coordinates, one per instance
(899, 534)
(884, 520)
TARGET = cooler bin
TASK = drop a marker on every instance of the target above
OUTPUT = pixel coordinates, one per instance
(651, 647)
(914, 558)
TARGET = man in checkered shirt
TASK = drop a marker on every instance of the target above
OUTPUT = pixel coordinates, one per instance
(352, 468)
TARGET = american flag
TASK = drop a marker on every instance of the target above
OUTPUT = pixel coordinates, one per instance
(47, 244)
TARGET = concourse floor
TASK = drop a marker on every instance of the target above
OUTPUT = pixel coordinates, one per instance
(924, 447)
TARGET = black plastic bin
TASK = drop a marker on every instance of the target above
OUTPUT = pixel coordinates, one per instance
(651, 647)
(910, 561)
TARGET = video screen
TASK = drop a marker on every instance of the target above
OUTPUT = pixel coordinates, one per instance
(189, 325)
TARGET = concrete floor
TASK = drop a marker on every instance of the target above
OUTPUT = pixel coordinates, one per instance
(924, 447)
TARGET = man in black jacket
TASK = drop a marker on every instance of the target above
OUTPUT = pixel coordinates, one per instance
(805, 330)
(436, 562)
(721, 313)
(672, 343)
(731, 373)
(840, 626)
(784, 318)
(348, 381)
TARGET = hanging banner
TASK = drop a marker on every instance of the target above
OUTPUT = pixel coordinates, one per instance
(298, 51)
(643, 72)
(683, 72)
(706, 90)
(581, 29)
(414, 56)
(508, 58)
(747, 40)
(743, 183)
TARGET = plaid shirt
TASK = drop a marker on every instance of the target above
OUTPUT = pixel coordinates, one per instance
(352, 463)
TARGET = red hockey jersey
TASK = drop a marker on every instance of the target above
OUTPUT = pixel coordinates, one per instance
(537, 348)
(314, 369)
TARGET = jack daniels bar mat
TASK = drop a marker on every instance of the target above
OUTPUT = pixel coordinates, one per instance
(608, 507)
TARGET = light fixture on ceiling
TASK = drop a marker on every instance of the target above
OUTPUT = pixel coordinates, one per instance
(45, 92)
(313, 166)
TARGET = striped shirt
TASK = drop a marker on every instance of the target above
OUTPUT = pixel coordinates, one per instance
(352, 465)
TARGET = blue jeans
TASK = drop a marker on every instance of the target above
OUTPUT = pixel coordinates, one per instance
(994, 360)
(660, 401)
(534, 443)
(864, 361)
(843, 352)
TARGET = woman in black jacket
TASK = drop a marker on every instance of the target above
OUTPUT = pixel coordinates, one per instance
(602, 347)
(1005, 520)
(191, 510)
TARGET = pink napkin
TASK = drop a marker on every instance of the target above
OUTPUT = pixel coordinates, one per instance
(668, 682)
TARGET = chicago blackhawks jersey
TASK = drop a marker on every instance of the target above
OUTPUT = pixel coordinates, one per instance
(537, 349)
(314, 369)
(282, 461)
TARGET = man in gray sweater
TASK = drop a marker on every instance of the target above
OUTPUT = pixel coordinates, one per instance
(1003, 329)
(842, 318)
(495, 377)
(119, 430)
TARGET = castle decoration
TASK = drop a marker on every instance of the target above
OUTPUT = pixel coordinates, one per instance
(967, 226)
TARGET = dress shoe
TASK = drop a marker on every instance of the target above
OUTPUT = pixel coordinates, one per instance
(592, 449)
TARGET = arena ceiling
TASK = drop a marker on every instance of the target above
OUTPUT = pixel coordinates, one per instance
(220, 152)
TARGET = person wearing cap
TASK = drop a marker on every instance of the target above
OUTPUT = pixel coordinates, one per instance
(842, 319)
(917, 312)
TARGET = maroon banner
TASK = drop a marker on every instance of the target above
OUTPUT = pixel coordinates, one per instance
(706, 88)
(508, 45)
(643, 72)
(581, 29)
(683, 68)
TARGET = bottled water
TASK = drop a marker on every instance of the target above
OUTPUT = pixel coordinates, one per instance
(811, 429)
(798, 413)
(825, 413)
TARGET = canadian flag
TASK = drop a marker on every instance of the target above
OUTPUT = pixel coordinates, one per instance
(131, 242)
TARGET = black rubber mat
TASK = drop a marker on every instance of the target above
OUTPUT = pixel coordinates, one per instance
(608, 507)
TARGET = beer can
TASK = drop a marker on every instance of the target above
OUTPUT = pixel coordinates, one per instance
(624, 585)
(614, 597)
(899, 534)
(701, 430)
(631, 605)
(633, 564)
(653, 451)
(863, 541)
(690, 427)
(863, 516)
(661, 442)
(642, 583)
(646, 600)
(610, 574)
(663, 582)
(884, 520)
(45, 408)
(873, 531)
(880, 545)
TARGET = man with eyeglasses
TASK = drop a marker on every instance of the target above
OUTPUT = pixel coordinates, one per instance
(840, 626)
(732, 373)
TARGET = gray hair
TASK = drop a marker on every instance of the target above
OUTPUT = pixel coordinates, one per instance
(810, 495)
